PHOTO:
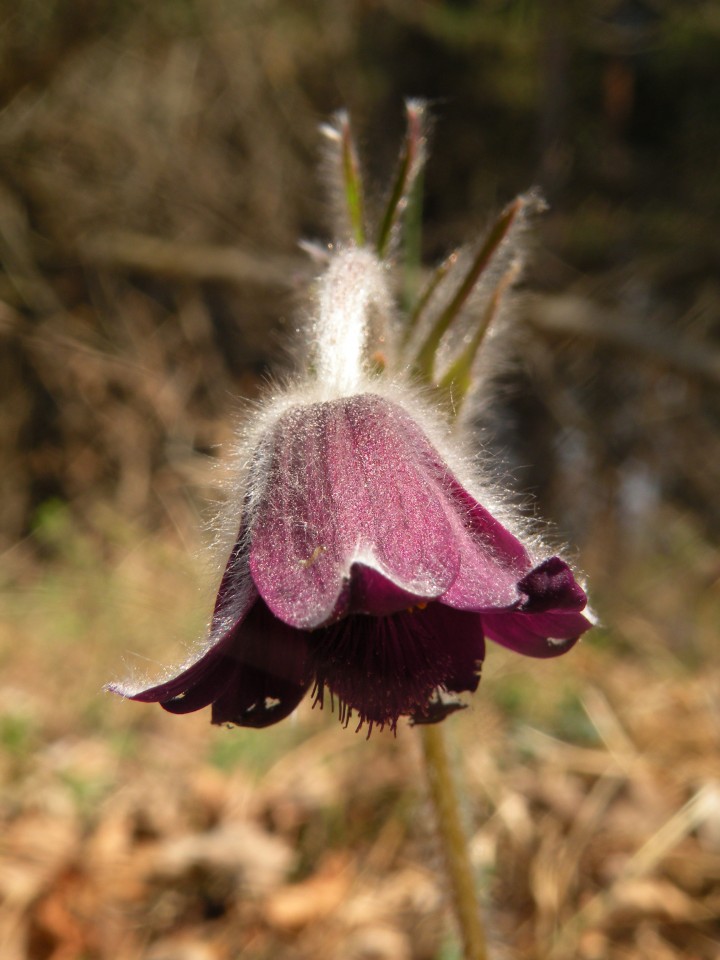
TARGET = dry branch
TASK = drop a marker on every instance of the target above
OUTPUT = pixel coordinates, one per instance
(568, 315)
(151, 255)
(564, 315)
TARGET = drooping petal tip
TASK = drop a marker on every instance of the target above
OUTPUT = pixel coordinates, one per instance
(551, 618)
(551, 586)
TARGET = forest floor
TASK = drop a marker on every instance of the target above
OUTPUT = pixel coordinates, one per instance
(591, 785)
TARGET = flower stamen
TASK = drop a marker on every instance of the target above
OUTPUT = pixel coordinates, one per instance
(314, 557)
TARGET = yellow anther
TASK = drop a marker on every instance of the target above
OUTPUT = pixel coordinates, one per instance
(314, 556)
(417, 606)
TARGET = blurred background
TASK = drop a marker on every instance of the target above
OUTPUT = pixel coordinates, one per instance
(158, 164)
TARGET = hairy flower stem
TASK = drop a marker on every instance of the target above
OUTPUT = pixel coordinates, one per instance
(454, 842)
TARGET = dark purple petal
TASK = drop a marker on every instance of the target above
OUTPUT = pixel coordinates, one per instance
(254, 674)
(370, 592)
(203, 692)
(348, 482)
(487, 530)
(536, 634)
(548, 622)
(256, 698)
(459, 637)
(486, 580)
(268, 672)
(382, 668)
(236, 573)
(551, 586)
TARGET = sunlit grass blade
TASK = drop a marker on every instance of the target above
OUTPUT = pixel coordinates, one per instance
(412, 243)
(436, 278)
(458, 379)
(425, 360)
(411, 162)
(352, 182)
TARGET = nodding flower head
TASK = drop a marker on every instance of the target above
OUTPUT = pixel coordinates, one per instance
(368, 568)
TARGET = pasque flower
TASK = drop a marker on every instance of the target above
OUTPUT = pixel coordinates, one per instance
(370, 566)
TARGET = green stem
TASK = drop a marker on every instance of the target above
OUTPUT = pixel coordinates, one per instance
(444, 797)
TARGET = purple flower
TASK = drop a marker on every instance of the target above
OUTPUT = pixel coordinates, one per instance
(364, 571)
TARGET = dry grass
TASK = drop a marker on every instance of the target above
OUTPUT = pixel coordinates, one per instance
(592, 787)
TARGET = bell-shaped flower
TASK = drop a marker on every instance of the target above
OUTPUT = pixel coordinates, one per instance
(364, 568)
(370, 565)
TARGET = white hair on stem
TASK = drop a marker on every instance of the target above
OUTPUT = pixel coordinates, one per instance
(352, 318)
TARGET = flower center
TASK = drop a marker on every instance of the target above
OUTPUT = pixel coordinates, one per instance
(381, 668)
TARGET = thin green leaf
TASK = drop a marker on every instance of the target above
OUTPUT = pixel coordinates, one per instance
(457, 380)
(434, 281)
(411, 160)
(425, 360)
(352, 182)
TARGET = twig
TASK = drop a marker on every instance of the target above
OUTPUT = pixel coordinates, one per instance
(561, 315)
(146, 254)
(571, 316)
(697, 809)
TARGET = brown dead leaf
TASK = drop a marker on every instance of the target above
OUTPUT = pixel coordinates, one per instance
(241, 852)
(634, 900)
(296, 905)
(184, 948)
(651, 944)
(33, 849)
(377, 943)
(593, 945)
(57, 923)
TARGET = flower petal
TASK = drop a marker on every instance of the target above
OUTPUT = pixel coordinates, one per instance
(552, 586)
(369, 591)
(253, 670)
(230, 603)
(492, 559)
(489, 531)
(348, 482)
(549, 621)
(536, 634)
(461, 639)
(202, 692)
(268, 672)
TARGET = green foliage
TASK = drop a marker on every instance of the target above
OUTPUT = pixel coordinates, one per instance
(450, 949)
(17, 733)
(556, 709)
(104, 590)
(236, 748)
